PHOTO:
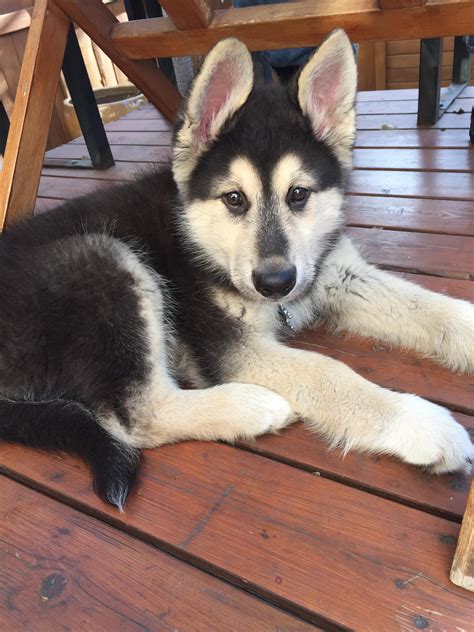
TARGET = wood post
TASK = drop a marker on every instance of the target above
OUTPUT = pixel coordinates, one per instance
(462, 570)
(34, 102)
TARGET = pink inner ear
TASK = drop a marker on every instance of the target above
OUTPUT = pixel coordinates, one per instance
(218, 92)
(324, 94)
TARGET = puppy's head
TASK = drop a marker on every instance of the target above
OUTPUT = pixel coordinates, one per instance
(261, 171)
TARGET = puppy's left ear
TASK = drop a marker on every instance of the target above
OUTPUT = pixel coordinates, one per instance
(326, 91)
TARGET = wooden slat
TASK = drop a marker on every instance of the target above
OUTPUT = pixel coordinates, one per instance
(412, 74)
(430, 184)
(300, 23)
(387, 95)
(458, 288)
(411, 214)
(32, 112)
(105, 67)
(8, 73)
(464, 104)
(188, 14)
(414, 159)
(366, 65)
(385, 476)
(408, 121)
(65, 188)
(120, 172)
(135, 138)
(451, 138)
(59, 565)
(97, 21)
(144, 120)
(400, 4)
(393, 369)
(130, 153)
(441, 255)
(413, 46)
(15, 21)
(57, 130)
(144, 113)
(405, 106)
(413, 60)
(45, 204)
(157, 124)
(295, 538)
(462, 571)
(380, 65)
(383, 99)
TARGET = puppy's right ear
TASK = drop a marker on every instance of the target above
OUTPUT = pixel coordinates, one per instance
(219, 90)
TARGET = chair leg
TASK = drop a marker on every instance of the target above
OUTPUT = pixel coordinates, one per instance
(34, 102)
(462, 570)
(431, 51)
(85, 105)
(4, 128)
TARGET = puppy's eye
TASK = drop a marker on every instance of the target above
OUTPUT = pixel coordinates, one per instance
(297, 197)
(236, 202)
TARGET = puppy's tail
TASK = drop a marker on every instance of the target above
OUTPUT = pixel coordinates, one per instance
(66, 425)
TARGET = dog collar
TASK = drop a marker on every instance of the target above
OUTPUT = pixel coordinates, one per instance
(286, 317)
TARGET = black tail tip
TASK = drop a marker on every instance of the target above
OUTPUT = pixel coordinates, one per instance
(115, 476)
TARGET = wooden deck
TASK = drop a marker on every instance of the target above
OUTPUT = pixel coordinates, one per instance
(280, 534)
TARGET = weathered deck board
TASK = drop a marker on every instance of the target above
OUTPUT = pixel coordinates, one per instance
(441, 255)
(458, 186)
(408, 106)
(415, 159)
(408, 121)
(135, 153)
(295, 538)
(458, 288)
(401, 95)
(137, 138)
(418, 184)
(411, 214)
(369, 530)
(450, 138)
(59, 565)
(441, 495)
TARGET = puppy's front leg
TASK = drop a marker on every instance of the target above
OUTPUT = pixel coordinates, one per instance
(352, 412)
(355, 296)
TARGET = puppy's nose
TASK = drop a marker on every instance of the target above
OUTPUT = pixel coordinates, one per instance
(274, 282)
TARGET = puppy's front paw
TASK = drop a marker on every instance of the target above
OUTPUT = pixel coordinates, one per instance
(427, 435)
(253, 410)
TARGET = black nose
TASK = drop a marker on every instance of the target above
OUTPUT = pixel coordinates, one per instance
(274, 282)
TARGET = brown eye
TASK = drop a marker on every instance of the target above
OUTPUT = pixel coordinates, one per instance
(297, 197)
(236, 202)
